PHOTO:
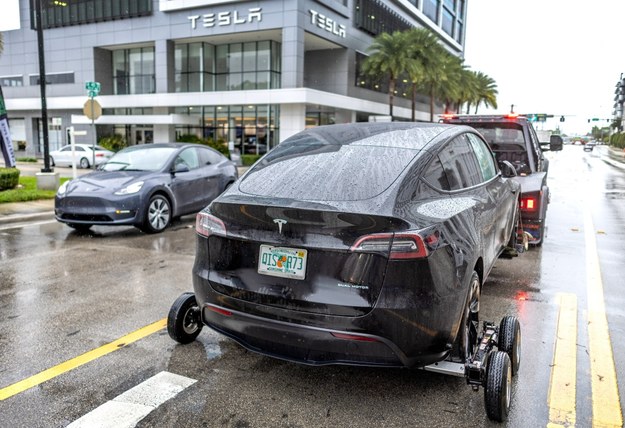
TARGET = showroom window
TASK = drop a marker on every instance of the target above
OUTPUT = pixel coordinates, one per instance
(12, 80)
(133, 71)
(231, 67)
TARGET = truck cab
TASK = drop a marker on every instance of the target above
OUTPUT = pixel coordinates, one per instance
(513, 138)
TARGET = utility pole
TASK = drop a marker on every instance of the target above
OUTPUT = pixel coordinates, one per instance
(42, 86)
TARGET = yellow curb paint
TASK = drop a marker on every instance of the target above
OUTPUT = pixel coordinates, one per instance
(68, 365)
(563, 371)
(606, 406)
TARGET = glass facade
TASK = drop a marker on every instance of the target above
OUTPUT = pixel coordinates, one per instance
(252, 129)
(11, 81)
(53, 78)
(202, 67)
(374, 17)
(134, 71)
(62, 13)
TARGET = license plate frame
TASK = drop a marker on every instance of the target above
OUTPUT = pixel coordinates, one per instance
(283, 262)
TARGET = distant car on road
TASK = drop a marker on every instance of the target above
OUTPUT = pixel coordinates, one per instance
(145, 186)
(589, 146)
(83, 154)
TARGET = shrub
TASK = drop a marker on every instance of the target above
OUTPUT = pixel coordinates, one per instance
(113, 142)
(249, 160)
(33, 160)
(9, 178)
(618, 140)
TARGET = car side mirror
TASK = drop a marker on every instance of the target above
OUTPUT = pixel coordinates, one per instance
(507, 169)
(555, 143)
(181, 167)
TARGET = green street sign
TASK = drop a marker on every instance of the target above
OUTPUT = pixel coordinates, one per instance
(93, 88)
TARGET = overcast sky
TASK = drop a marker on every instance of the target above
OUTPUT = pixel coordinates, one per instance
(560, 57)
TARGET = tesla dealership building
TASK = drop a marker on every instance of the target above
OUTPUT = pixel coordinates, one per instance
(248, 72)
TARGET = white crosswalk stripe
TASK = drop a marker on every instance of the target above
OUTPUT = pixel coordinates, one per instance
(127, 409)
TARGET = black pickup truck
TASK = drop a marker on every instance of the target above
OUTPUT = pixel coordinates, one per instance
(512, 138)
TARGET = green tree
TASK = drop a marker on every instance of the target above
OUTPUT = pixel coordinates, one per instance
(424, 55)
(443, 80)
(486, 91)
(388, 57)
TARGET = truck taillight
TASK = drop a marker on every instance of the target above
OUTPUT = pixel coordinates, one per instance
(529, 203)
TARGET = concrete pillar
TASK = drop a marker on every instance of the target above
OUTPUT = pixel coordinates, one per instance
(344, 116)
(164, 66)
(293, 56)
(292, 120)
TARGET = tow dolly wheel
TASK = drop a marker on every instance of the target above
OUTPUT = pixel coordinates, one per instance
(183, 322)
(497, 390)
(510, 341)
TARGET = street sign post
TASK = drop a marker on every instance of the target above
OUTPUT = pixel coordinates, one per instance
(92, 110)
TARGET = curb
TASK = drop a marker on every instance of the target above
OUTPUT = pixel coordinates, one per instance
(23, 218)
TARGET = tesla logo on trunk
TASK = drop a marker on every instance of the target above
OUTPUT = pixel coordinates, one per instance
(280, 222)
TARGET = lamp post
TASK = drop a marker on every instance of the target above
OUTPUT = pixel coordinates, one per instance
(42, 86)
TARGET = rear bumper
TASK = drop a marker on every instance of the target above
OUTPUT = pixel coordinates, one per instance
(308, 344)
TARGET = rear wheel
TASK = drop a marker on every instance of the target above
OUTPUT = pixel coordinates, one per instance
(510, 341)
(183, 322)
(157, 215)
(466, 341)
(497, 391)
(84, 163)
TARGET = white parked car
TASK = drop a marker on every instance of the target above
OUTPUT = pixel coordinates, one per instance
(83, 153)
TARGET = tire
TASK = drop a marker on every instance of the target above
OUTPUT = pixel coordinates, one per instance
(157, 215)
(498, 386)
(183, 321)
(51, 160)
(84, 163)
(466, 341)
(80, 227)
(510, 341)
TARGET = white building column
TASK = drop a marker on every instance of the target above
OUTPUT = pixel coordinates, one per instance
(292, 119)
(163, 133)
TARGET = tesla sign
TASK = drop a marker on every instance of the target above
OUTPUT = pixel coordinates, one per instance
(221, 19)
(328, 24)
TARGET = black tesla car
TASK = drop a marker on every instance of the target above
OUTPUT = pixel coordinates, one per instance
(145, 186)
(361, 244)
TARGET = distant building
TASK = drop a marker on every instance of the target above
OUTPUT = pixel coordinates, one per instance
(248, 72)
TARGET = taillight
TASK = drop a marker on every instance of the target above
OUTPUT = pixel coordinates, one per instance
(529, 203)
(512, 115)
(397, 245)
(207, 225)
(99, 155)
(219, 310)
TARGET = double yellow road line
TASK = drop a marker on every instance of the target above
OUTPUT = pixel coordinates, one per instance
(606, 406)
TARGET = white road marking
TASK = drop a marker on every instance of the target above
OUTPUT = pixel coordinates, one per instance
(127, 409)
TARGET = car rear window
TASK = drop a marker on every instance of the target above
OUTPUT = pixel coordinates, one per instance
(500, 133)
(326, 172)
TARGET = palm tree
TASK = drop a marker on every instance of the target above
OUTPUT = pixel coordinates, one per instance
(388, 57)
(1, 44)
(486, 91)
(425, 53)
(442, 81)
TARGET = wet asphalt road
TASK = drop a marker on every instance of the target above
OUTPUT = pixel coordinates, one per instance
(63, 294)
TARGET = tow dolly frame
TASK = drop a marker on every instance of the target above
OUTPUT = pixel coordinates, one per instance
(495, 360)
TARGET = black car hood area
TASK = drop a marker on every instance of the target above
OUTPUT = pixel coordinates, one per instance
(109, 181)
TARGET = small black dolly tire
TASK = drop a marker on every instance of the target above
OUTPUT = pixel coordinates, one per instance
(510, 341)
(183, 321)
(498, 386)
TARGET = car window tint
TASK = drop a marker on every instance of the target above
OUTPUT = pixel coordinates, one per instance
(484, 157)
(435, 175)
(189, 157)
(460, 164)
(66, 149)
(326, 172)
(209, 157)
(80, 149)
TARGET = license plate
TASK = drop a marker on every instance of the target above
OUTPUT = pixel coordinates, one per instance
(282, 262)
